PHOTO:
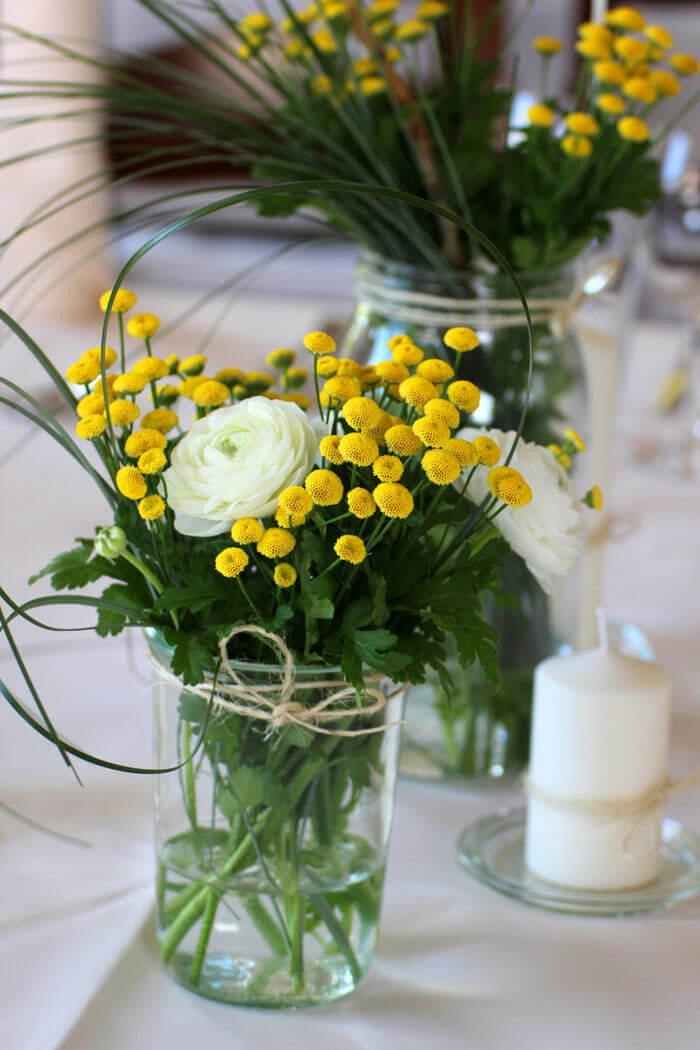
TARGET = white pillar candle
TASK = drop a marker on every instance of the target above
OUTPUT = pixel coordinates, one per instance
(599, 735)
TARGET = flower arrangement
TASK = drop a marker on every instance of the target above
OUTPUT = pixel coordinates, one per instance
(287, 570)
(342, 91)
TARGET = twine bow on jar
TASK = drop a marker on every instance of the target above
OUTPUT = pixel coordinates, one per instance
(275, 702)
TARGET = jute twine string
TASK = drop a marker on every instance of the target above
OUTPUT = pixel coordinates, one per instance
(633, 811)
(421, 308)
(273, 703)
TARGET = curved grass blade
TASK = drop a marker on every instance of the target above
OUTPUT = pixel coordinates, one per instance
(36, 352)
(64, 441)
(48, 729)
(28, 822)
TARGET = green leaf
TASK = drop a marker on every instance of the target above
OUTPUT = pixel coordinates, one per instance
(74, 568)
(190, 657)
(109, 621)
(377, 649)
(247, 784)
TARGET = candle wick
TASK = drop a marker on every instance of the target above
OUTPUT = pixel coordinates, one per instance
(602, 629)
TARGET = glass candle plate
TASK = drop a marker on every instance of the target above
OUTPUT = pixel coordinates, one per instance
(492, 850)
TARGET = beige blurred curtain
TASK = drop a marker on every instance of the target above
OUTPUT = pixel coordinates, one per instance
(67, 285)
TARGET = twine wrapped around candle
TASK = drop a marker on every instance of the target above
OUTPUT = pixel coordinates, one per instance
(605, 810)
(274, 703)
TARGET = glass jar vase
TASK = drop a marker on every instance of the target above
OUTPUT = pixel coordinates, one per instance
(474, 728)
(271, 839)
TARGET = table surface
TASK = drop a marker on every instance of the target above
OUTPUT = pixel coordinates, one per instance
(458, 965)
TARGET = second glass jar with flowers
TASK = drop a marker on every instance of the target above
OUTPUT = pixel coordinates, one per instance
(468, 725)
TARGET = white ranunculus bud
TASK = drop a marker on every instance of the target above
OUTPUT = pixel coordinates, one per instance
(234, 463)
(110, 542)
(548, 532)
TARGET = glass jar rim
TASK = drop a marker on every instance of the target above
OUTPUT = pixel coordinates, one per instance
(155, 640)
(483, 268)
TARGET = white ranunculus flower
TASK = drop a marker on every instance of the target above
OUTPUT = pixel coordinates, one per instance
(547, 532)
(234, 463)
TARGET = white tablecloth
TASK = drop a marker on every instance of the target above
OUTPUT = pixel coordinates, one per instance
(458, 965)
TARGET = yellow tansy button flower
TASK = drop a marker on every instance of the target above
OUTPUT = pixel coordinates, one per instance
(319, 343)
(488, 451)
(392, 371)
(577, 146)
(151, 367)
(402, 441)
(464, 395)
(435, 370)
(582, 124)
(361, 503)
(464, 452)
(547, 45)
(593, 498)
(326, 366)
(295, 500)
(281, 358)
(659, 36)
(95, 354)
(641, 89)
(210, 394)
(82, 371)
(594, 47)
(163, 419)
(609, 72)
(90, 405)
(342, 388)
(508, 485)
(256, 382)
(371, 86)
(394, 500)
(609, 103)
(432, 432)
(540, 116)
(626, 18)
(665, 83)
(387, 468)
(247, 530)
(411, 30)
(188, 386)
(431, 10)
(684, 64)
(151, 507)
(131, 482)
(441, 467)
(362, 413)
(630, 48)
(285, 574)
(350, 548)
(124, 300)
(417, 391)
(360, 449)
(461, 339)
(276, 543)
(143, 440)
(152, 461)
(324, 487)
(231, 561)
(130, 383)
(143, 326)
(192, 366)
(328, 447)
(633, 129)
(229, 376)
(407, 353)
(123, 413)
(90, 427)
